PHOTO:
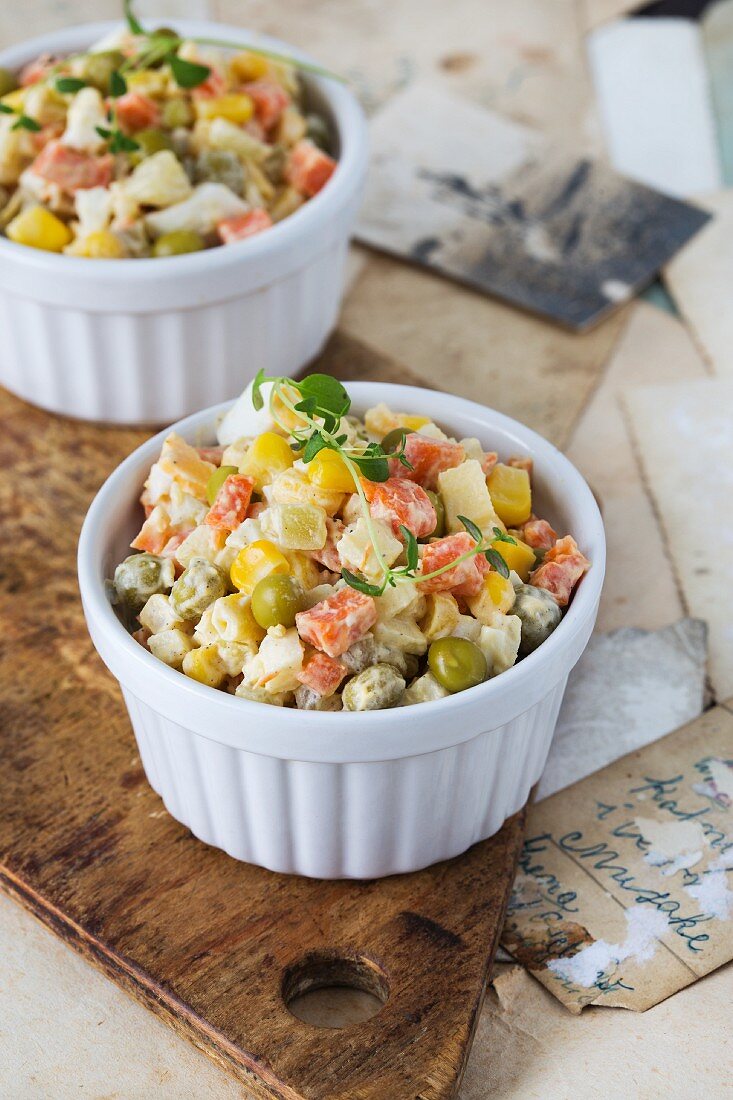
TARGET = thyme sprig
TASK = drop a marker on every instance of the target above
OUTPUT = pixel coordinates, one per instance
(117, 140)
(23, 121)
(319, 403)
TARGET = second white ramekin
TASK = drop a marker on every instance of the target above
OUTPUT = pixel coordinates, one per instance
(149, 341)
(342, 795)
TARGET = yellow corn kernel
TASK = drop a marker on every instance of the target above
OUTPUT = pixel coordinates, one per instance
(511, 494)
(329, 471)
(101, 245)
(412, 423)
(39, 228)
(235, 107)
(256, 561)
(293, 487)
(441, 617)
(233, 621)
(500, 590)
(16, 99)
(269, 455)
(518, 556)
(248, 66)
(204, 665)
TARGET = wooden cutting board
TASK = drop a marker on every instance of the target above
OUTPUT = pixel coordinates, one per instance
(213, 946)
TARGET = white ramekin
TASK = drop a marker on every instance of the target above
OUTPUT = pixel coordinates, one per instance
(149, 341)
(342, 795)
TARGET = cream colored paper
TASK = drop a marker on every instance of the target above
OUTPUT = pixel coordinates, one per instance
(624, 892)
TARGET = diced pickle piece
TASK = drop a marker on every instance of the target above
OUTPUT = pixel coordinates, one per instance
(296, 526)
(220, 166)
(197, 587)
(376, 688)
(138, 577)
(539, 614)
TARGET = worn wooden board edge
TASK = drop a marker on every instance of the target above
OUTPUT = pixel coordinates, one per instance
(176, 1014)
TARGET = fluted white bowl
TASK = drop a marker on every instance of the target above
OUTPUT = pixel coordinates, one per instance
(346, 795)
(148, 341)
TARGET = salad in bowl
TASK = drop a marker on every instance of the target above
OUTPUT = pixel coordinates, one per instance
(148, 144)
(324, 561)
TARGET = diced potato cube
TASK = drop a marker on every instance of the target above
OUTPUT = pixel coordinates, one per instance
(205, 665)
(296, 526)
(259, 695)
(203, 542)
(158, 615)
(441, 617)
(356, 551)
(278, 662)
(171, 646)
(422, 690)
(159, 180)
(464, 492)
(303, 568)
(402, 634)
(404, 599)
(500, 643)
(467, 627)
(518, 556)
(233, 655)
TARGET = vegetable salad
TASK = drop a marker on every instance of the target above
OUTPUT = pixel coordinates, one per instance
(316, 560)
(149, 145)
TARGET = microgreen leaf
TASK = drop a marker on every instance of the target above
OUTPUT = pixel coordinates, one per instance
(361, 586)
(117, 84)
(23, 122)
(67, 85)
(132, 21)
(373, 467)
(410, 548)
(473, 530)
(258, 400)
(330, 395)
(188, 74)
(5, 110)
(494, 558)
(499, 536)
(315, 444)
(308, 405)
(121, 143)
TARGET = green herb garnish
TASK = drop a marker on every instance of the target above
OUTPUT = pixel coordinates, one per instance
(320, 402)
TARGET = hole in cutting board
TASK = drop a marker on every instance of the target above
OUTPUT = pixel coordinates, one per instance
(331, 989)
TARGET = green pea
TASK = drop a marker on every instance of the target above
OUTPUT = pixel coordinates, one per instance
(178, 242)
(97, 68)
(217, 479)
(318, 132)
(140, 576)
(177, 113)
(8, 82)
(456, 663)
(149, 142)
(437, 502)
(276, 600)
(197, 587)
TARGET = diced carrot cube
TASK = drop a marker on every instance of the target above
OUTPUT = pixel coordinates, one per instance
(465, 578)
(36, 70)
(522, 462)
(538, 534)
(270, 101)
(241, 226)
(428, 458)
(231, 504)
(399, 502)
(309, 168)
(489, 461)
(71, 169)
(136, 112)
(334, 624)
(562, 568)
(322, 673)
(215, 84)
